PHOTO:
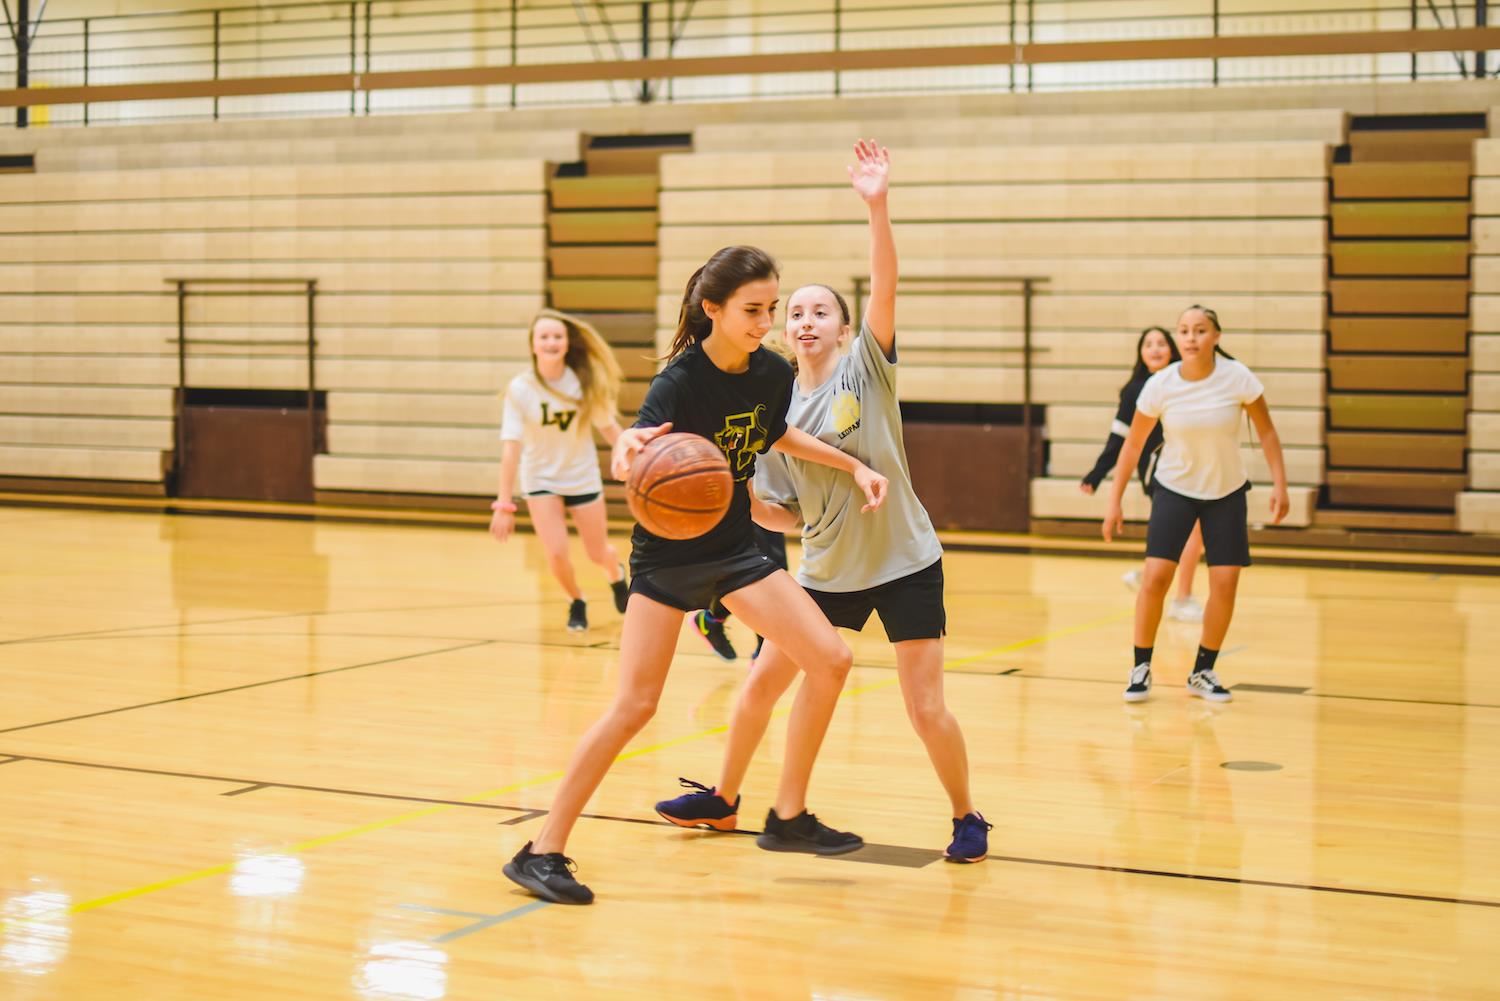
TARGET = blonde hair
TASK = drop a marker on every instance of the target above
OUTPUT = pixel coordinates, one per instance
(591, 359)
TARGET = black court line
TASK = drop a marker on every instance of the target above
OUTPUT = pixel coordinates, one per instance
(251, 785)
(904, 856)
(8, 759)
(528, 815)
(1239, 881)
(179, 625)
(240, 792)
(241, 688)
(1261, 559)
(1307, 693)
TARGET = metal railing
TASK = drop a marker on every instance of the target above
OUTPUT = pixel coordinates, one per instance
(359, 39)
(245, 288)
(1027, 287)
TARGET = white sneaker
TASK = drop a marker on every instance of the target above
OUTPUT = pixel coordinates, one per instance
(1205, 685)
(1131, 579)
(1139, 688)
(1185, 610)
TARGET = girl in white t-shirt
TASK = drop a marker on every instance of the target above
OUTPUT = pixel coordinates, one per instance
(1200, 480)
(549, 411)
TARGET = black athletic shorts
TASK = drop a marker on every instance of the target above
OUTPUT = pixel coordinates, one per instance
(910, 607)
(569, 500)
(693, 587)
(1226, 532)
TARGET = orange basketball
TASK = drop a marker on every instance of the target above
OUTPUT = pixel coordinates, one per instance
(680, 486)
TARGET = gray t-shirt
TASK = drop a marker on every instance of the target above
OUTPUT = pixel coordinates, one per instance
(855, 411)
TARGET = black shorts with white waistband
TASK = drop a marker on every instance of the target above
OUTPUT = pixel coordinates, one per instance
(1226, 531)
(696, 586)
(910, 607)
(569, 500)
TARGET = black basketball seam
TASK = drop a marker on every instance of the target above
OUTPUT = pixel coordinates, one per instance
(682, 474)
(685, 510)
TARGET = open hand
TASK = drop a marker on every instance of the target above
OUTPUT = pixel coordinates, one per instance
(871, 176)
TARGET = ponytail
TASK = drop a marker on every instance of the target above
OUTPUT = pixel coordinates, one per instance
(692, 323)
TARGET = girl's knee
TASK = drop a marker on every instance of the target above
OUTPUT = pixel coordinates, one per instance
(632, 714)
(928, 716)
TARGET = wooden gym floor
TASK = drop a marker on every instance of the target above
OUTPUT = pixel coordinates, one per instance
(252, 758)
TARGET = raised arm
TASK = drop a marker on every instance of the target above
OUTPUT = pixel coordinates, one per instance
(870, 176)
(1130, 453)
(1270, 444)
(801, 445)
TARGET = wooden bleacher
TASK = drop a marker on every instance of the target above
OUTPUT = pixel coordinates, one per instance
(1131, 236)
(427, 271)
(1479, 504)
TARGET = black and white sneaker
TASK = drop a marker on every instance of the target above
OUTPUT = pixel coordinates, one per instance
(805, 833)
(578, 616)
(1205, 685)
(547, 876)
(621, 588)
(1139, 689)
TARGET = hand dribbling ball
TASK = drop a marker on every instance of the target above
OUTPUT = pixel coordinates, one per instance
(680, 486)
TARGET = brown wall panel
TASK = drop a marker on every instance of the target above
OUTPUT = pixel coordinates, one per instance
(1398, 373)
(1401, 297)
(1393, 334)
(1397, 413)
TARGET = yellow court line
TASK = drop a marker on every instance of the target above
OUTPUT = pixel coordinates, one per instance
(403, 818)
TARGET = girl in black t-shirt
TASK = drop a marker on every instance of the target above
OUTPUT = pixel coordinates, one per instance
(720, 385)
(1153, 352)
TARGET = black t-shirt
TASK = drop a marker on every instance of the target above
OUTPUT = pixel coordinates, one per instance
(1146, 465)
(744, 413)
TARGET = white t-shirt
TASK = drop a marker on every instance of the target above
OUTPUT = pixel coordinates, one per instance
(1201, 420)
(557, 456)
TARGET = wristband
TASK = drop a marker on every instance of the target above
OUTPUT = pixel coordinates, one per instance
(505, 506)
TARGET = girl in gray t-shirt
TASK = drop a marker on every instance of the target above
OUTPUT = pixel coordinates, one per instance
(855, 561)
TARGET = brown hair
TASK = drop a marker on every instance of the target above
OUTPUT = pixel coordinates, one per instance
(724, 273)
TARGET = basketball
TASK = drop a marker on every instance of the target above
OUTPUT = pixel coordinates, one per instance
(680, 486)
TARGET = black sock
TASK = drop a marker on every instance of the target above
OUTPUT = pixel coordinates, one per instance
(1142, 655)
(1206, 658)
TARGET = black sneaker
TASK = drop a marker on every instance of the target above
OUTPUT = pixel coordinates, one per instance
(578, 616)
(1205, 685)
(547, 876)
(1139, 689)
(760, 641)
(805, 833)
(712, 631)
(703, 807)
(621, 588)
